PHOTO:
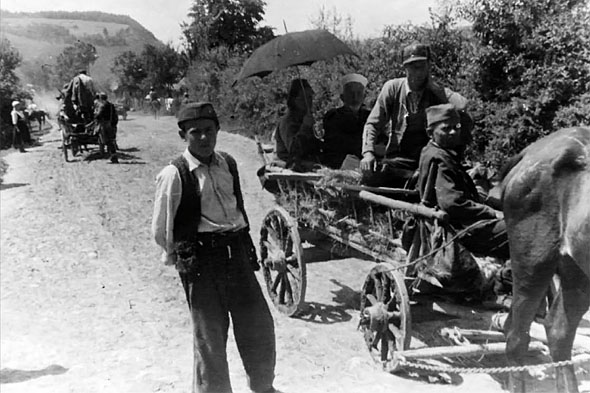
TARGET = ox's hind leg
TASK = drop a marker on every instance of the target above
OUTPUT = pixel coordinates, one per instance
(531, 279)
(565, 313)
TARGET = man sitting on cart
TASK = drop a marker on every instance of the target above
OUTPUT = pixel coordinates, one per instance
(80, 94)
(402, 102)
(444, 183)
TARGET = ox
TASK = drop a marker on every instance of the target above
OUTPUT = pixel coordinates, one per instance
(546, 201)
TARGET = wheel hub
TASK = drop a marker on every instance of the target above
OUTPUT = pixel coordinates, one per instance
(377, 318)
(277, 264)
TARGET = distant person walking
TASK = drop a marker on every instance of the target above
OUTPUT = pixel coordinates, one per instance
(154, 103)
(200, 221)
(186, 98)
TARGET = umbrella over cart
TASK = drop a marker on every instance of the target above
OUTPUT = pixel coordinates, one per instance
(293, 49)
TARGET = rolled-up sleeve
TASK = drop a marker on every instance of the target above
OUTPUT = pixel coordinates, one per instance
(379, 117)
(166, 202)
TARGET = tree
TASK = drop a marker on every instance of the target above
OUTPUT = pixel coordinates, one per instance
(74, 58)
(163, 66)
(130, 71)
(230, 23)
(530, 68)
(10, 58)
(10, 88)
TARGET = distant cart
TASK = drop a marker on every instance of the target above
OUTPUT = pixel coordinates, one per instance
(77, 136)
(122, 110)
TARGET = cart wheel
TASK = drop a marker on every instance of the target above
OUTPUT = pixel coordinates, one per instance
(385, 314)
(282, 262)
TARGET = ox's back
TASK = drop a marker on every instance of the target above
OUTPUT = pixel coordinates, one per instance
(547, 190)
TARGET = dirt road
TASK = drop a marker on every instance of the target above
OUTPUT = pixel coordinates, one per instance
(87, 307)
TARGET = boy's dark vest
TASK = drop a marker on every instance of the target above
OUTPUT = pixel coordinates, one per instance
(188, 215)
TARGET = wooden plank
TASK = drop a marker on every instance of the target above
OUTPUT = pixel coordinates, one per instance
(337, 235)
(406, 206)
(462, 350)
(284, 175)
(401, 192)
(472, 334)
(537, 332)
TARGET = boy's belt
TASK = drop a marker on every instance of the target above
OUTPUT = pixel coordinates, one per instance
(218, 239)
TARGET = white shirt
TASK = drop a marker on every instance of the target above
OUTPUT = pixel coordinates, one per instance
(219, 208)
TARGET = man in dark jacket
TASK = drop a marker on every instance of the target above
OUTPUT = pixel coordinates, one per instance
(200, 222)
(444, 183)
(105, 115)
(343, 126)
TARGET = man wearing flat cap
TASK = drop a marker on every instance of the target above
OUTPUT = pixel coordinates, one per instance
(444, 183)
(343, 126)
(403, 101)
(106, 118)
(200, 221)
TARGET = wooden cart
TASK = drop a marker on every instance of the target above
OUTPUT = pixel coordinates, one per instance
(77, 136)
(364, 220)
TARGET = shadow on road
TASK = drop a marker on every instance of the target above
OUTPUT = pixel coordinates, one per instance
(11, 185)
(323, 313)
(129, 150)
(9, 375)
(346, 296)
(131, 159)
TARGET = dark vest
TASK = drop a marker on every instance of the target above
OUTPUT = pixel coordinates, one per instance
(188, 215)
(414, 136)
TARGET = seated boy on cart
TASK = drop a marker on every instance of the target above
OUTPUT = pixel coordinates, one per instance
(444, 183)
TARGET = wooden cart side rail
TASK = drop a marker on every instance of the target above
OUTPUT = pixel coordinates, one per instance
(365, 193)
(406, 206)
(338, 236)
(312, 178)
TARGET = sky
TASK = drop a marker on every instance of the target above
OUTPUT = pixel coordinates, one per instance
(163, 17)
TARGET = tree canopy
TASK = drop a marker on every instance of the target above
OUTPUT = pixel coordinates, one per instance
(230, 23)
(76, 57)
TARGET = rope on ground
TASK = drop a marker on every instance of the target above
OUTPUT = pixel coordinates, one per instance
(491, 370)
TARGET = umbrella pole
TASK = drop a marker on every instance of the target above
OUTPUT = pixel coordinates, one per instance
(299, 76)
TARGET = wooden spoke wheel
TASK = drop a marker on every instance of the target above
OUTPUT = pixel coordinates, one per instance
(385, 314)
(282, 261)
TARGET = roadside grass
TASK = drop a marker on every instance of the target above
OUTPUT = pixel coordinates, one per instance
(3, 168)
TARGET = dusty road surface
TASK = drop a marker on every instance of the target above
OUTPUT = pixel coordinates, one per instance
(87, 307)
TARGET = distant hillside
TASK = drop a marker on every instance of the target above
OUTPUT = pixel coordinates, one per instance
(41, 36)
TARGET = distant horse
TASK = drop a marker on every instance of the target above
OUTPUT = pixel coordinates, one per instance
(547, 212)
(37, 115)
(155, 107)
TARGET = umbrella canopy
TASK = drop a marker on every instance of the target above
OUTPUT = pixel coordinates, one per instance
(291, 49)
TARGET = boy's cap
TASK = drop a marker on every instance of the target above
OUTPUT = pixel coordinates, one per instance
(349, 78)
(15, 103)
(437, 113)
(416, 52)
(197, 110)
